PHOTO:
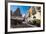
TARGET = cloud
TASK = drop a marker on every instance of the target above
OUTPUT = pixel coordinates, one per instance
(23, 15)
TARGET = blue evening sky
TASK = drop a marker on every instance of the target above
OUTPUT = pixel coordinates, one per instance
(23, 9)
